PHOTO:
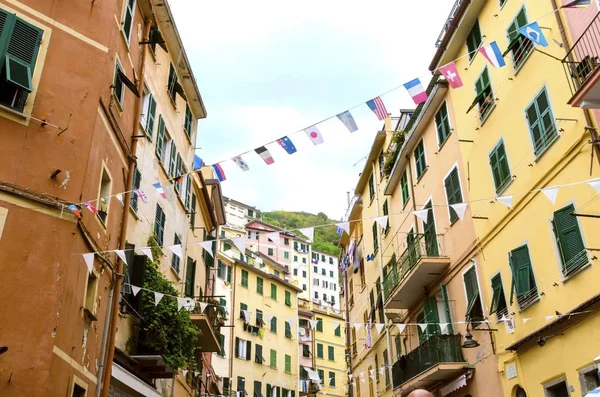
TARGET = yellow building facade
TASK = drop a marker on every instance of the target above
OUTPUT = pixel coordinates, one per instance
(519, 138)
(330, 351)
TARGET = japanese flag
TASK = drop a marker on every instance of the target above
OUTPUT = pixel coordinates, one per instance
(314, 134)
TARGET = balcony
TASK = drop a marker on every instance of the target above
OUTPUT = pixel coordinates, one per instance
(207, 341)
(418, 266)
(582, 68)
(439, 359)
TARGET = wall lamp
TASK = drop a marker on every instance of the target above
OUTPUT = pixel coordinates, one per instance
(471, 343)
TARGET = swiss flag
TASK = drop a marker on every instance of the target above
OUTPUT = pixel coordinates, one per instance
(451, 75)
(314, 134)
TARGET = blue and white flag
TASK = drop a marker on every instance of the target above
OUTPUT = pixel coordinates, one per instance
(534, 33)
(348, 120)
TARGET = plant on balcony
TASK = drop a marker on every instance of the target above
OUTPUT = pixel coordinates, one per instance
(164, 329)
(392, 152)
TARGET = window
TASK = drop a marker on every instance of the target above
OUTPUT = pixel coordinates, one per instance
(19, 47)
(243, 307)
(484, 95)
(288, 364)
(78, 391)
(453, 192)
(273, 362)
(90, 293)
(244, 278)
(319, 324)
(404, 186)
(331, 379)
(420, 161)
(320, 350)
(502, 2)
(330, 353)
(226, 246)
(398, 344)
(149, 114)
(541, 122)
(286, 255)
(188, 121)
(288, 330)
(226, 385)
(221, 351)
(524, 285)
(316, 295)
(325, 284)
(376, 367)
(474, 308)
(295, 272)
(286, 241)
(104, 196)
(172, 84)
(273, 291)
(569, 240)
(243, 349)
(137, 180)
(288, 298)
(250, 213)
(304, 260)
(321, 375)
(442, 124)
(338, 331)
(322, 257)
(386, 212)
(187, 188)
(257, 389)
(295, 258)
(241, 386)
(118, 84)
(498, 299)
(323, 272)
(270, 252)
(259, 318)
(316, 269)
(304, 273)
(259, 285)
(316, 281)
(589, 378)
(303, 287)
(474, 40)
(175, 168)
(127, 23)
(305, 350)
(159, 225)
(387, 372)
(518, 45)
(331, 273)
(274, 324)
(190, 277)
(371, 385)
(371, 187)
(258, 356)
(500, 168)
(375, 242)
(331, 260)
(557, 389)
(324, 296)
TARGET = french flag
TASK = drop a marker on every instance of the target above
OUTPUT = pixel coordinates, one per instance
(160, 190)
(416, 91)
(219, 172)
(492, 53)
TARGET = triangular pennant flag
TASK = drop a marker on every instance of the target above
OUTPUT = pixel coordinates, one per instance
(422, 214)
(208, 246)
(120, 198)
(147, 252)
(350, 376)
(595, 184)
(269, 318)
(180, 303)
(313, 323)
(383, 221)
(506, 200)
(89, 261)
(240, 243)
(345, 226)
(459, 208)
(309, 232)
(525, 320)
(157, 297)
(348, 120)
(444, 326)
(291, 321)
(379, 327)
(336, 325)
(357, 326)
(203, 306)
(423, 327)
(121, 254)
(185, 372)
(274, 237)
(401, 327)
(247, 315)
(551, 193)
(135, 290)
(176, 249)
(196, 373)
(382, 369)
(189, 304)
(548, 318)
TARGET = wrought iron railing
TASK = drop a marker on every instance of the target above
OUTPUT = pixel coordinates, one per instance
(436, 350)
(422, 245)
(448, 23)
(583, 59)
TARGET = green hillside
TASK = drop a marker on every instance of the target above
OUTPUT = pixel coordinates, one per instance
(326, 239)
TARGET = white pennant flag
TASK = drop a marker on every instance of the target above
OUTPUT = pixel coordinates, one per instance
(548, 318)
(157, 297)
(423, 327)
(383, 221)
(208, 246)
(422, 214)
(196, 373)
(240, 243)
(350, 376)
(247, 315)
(313, 323)
(309, 232)
(382, 369)
(189, 304)
(401, 327)
(357, 326)
(269, 318)
(135, 290)
(345, 226)
(121, 254)
(379, 327)
(551, 193)
(89, 261)
(460, 209)
(176, 249)
(595, 184)
(291, 321)
(274, 237)
(506, 200)
(203, 306)
(147, 252)
(185, 372)
(336, 325)
(444, 326)
(525, 320)
(180, 303)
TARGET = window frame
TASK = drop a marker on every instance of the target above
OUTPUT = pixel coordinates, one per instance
(567, 272)
(528, 301)
(505, 183)
(473, 268)
(471, 53)
(444, 128)
(244, 280)
(522, 39)
(405, 188)
(259, 285)
(488, 110)
(452, 215)
(420, 172)
(121, 97)
(497, 289)
(130, 6)
(549, 139)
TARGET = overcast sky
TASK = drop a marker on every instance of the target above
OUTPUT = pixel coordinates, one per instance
(267, 69)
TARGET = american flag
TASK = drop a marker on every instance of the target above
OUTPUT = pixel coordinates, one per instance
(141, 195)
(377, 106)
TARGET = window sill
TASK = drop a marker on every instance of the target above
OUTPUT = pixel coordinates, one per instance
(441, 145)
(117, 103)
(14, 112)
(423, 173)
(171, 98)
(505, 187)
(188, 137)
(576, 272)
(517, 69)
(544, 150)
(175, 273)
(487, 115)
(529, 304)
(145, 131)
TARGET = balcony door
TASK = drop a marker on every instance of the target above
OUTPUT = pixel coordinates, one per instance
(430, 233)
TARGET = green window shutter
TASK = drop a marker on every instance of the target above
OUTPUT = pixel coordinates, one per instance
(274, 324)
(473, 299)
(386, 212)
(500, 168)
(159, 225)
(160, 138)
(228, 268)
(432, 317)
(288, 298)
(321, 375)
(6, 24)
(332, 379)
(188, 193)
(375, 242)
(221, 345)
(522, 271)
(420, 159)
(288, 364)
(259, 285)
(286, 255)
(442, 124)
(338, 331)
(331, 353)
(405, 191)
(273, 362)
(190, 276)
(150, 117)
(193, 212)
(173, 162)
(569, 239)
(137, 180)
(446, 299)
(320, 324)
(244, 278)
(453, 192)
(175, 170)
(188, 121)
(21, 52)
(319, 350)
(128, 19)
(498, 300)
(541, 122)
(288, 330)
(474, 40)
(371, 187)
(273, 291)
(220, 270)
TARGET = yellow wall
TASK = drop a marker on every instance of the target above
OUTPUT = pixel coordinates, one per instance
(327, 338)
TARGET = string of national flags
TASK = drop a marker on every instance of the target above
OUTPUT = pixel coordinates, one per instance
(415, 88)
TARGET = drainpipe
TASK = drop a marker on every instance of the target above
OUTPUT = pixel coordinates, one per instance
(108, 342)
(380, 244)
(586, 112)
(412, 192)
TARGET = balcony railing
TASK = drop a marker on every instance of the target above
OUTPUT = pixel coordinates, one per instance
(423, 245)
(439, 349)
(583, 59)
(448, 23)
